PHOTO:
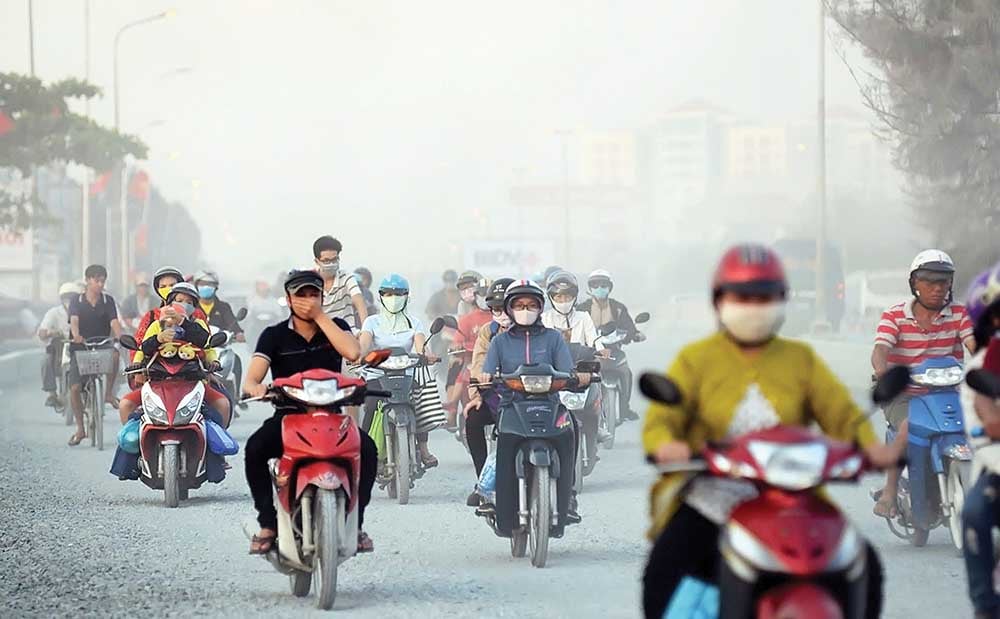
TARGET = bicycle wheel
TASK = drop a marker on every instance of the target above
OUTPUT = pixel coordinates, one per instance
(89, 410)
(99, 412)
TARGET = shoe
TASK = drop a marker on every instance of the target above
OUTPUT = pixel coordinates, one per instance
(572, 516)
(630, 415)
(52, 400)
(486, 509)
(474, 500)
(603, 436)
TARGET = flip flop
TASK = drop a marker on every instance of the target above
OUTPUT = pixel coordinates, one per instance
(76, 439)
(265, 544)
(365, 543)
(892, 510)
(429, 461)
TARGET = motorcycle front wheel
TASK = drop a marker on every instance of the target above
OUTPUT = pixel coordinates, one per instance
(610, 413)
(326, 533)
(401, 445)
(171, 475)
(540, 509)
(957, 484)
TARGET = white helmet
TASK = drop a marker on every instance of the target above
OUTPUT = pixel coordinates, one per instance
(70, 288)
(599, 276)
(932, 260)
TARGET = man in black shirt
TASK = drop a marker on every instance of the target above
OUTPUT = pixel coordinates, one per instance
(308, 340)
(92, 314)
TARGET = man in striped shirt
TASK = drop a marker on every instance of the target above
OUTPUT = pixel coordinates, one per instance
(927, 326)
(342, 296)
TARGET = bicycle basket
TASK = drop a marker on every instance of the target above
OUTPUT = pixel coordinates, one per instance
(91, 362)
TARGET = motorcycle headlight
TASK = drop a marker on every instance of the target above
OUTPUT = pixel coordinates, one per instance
(319, 392)
(793, 467)
(939, 377)
(573, 401)
(399, 362)
(537, 384)
(190, 405)
(153, 406)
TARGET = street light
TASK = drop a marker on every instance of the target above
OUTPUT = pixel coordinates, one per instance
(123, 201)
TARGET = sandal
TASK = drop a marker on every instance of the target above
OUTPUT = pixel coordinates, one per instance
(76, 439)
(365, 543)
(429, 460)
(885, 506)
(261, 545)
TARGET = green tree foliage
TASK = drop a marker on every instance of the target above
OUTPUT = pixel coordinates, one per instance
(38, 128)
(936, 90)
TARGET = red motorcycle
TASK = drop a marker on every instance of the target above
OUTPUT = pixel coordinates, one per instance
(787, 553)
(172, 445)
(316, 480)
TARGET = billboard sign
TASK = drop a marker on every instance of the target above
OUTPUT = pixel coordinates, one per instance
(512, 258)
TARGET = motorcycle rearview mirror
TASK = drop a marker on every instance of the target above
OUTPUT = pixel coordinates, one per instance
(128, 342)
(449, 321)
(437, 325)
(218, 339)
(659, 388)
(890, 385)
(377, 357)
(984, 382)
(641, 318)
(240, 315)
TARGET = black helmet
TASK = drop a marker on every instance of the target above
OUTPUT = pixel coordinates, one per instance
(522, 288)
(562, 282)
(468, 277)
(495, 295)
(296, 280)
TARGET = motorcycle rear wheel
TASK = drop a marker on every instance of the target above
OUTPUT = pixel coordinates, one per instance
(959, 474)
(171, 475)
(578, 466)
(610, 414)
(540, 508)
(325, 561)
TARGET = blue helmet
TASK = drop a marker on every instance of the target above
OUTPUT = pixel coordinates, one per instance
(394, 282)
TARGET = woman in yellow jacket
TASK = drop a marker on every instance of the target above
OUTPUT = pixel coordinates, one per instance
(741, 379)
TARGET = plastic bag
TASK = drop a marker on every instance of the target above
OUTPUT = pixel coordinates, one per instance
(487, 485)
(219, 441)
(694, 599)
(377, 429)
(128, 436)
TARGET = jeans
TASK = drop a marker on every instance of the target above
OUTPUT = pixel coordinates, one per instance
(475, 433)
(980, 515)
(265, 444)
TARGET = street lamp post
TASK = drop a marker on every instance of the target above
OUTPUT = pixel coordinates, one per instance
(821, 318)
(123, 200)
(564, 145)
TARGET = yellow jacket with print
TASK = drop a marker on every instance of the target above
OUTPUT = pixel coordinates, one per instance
(155, 328)
(714, 375)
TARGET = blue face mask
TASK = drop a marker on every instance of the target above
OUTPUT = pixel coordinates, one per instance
(600, 293)
(206, 292)
(188, 309)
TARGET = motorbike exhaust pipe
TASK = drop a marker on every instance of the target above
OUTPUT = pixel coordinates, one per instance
(554, 501)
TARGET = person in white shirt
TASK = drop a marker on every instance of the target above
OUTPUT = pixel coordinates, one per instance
(342, 296)
(54, 330)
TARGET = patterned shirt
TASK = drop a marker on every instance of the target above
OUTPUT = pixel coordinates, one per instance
(337, 300)
(910, 344)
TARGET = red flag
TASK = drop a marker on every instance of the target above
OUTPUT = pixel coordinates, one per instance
(100, 184)
(6, 124)
(138, 185)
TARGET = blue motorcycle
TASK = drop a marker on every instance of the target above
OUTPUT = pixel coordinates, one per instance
(939, 459)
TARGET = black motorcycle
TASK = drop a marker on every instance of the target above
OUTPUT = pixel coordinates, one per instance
(534, 461)
(615, 375)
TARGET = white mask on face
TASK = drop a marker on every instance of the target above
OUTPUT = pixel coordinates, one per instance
(752, 323)
(563, 308)
(526, 317)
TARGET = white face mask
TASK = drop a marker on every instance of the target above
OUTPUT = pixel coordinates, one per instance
(752, 323)
(394, 304)
(563, 308)
(526, 317)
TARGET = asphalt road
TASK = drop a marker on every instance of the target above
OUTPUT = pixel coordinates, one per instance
(76, 541)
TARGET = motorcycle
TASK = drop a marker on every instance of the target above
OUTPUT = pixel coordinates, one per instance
(535, 445)
(787, 552)
(402, 466)
(938, 455)
(316, 480)
(585, 406)
(614, 371)
(231, 373)
(173, 450)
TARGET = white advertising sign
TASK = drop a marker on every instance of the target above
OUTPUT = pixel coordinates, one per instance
(513, 258)
(16, 250)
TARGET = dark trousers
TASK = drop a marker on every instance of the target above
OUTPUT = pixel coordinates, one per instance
(625, 391)
(475, 434)
(980, 515)
(52, 364)
(265, 444)
(688, 546)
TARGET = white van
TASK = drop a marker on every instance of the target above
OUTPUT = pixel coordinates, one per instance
(869, 293)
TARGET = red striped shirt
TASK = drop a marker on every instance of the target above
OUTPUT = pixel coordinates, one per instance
(910, 344)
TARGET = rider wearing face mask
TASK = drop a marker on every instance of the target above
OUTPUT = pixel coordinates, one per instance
(526, 341)
(393, 327)
(163, 281)
(604, 310)
(464, 342)
(471, 292)
(741, 379)
(220, 314)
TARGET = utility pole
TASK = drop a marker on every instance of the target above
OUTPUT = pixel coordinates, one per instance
(31, 36)
(820, 317)
(567, 234)
(85, 204)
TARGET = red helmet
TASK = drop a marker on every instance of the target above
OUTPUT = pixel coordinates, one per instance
(749, 269)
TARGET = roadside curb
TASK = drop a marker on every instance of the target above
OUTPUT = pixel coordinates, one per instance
(21, 367)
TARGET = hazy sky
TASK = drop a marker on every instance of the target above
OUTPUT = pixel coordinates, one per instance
(358, 117)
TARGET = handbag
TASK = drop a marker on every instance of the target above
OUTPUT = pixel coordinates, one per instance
(219, 441)
(428, 409)
(377, 429)
(128, 436)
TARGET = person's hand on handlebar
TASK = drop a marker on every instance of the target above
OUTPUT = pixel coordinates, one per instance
(255, 391)
(604, 353)
(672, 451)
(485, 378)
(583, 378)
(431, 359)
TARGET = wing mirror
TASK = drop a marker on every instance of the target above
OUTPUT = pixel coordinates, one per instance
(240, 315)
(890, 385)
(217, 340)
(984, 382)
(128, 342)
(659, 388)
(437, 325)
(641, 318)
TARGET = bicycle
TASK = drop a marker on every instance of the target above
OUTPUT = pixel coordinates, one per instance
(94, 362)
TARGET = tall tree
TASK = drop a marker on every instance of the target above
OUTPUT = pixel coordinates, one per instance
(37, 128)
(936, 90)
